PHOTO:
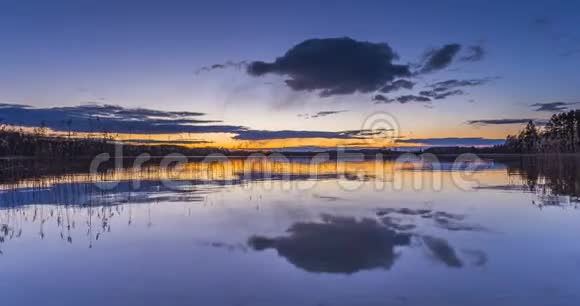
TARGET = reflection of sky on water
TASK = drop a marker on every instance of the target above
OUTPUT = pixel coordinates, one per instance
(256, 243)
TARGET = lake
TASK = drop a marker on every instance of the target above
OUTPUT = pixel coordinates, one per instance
(274, 231)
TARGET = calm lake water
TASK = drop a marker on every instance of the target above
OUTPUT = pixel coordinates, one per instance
(506, 232)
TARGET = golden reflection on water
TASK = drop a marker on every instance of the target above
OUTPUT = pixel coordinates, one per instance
(261, 169)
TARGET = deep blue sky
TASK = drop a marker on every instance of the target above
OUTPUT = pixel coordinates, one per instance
(145, 53)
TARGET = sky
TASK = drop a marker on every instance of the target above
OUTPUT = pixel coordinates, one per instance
(289, 74)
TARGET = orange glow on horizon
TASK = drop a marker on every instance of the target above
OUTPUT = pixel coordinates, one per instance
(226, 140)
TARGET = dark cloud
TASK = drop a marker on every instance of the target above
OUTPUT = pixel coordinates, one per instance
(348, 245)
(381, 99)
(437, 91)
(326, 113)
(453, 83)
(228, 64)
(444, 220)
(397, 85)
(451, 223)
(553, 106)
(287, 134)
(322, 114)
(337, 245)
(442, 251)
(437, 59)
(453, 141)
(404, 211)
(171, 142)
(230, 247)
(436, 95)
(111, 118)
(328, 197)
(412, 98)
(474, 54)
(116, 119)
(444, 89)
(335, 66)
(504, 121)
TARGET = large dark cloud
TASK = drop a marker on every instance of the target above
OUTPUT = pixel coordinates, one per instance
(437, 59)
(553, 106)
(348, 245)
(505, 121)
(339, 66)
(337, 245)
(453, 141)
(335, 66)
(111, 118)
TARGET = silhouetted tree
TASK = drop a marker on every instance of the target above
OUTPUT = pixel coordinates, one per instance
(560, 135)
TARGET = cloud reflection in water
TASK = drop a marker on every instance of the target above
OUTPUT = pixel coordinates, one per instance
(337, 245)
(346, 245)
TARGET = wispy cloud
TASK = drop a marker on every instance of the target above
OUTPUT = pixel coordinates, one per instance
(228, 64)
(398, 85)
(288, 134)
(553, 106)
(170, 141)
(474, 53)
(111, 118)
(444, 89)
(117, 119)
(381, 99)
(321, 114)
(437, 59)
(505, 121)
(440, 95)
(453, 141)
(454, 83)
(561, 37)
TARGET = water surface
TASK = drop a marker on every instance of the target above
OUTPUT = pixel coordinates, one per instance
(360, 233)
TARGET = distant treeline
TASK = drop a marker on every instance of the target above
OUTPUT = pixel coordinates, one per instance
(561, 134)
(15, 142)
